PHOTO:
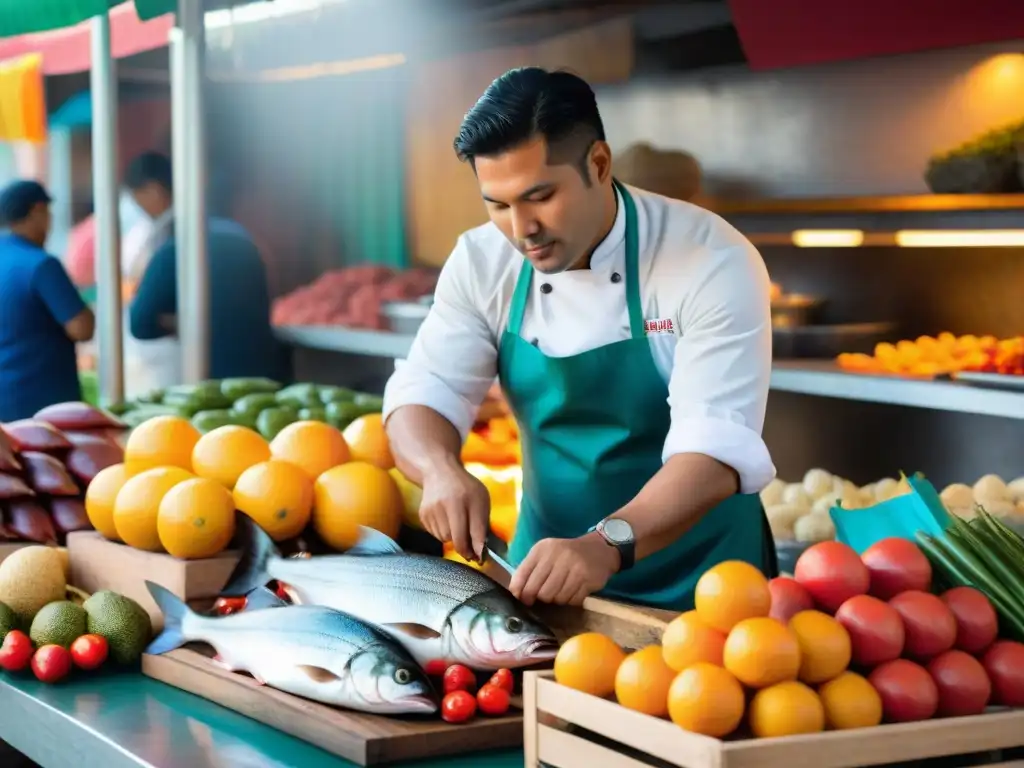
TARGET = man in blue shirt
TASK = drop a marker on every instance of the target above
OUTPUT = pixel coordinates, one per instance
(41, 313)
(242, 342)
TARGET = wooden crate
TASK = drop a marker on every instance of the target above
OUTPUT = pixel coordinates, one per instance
(97, 563)
(564, 728)
(375, 739)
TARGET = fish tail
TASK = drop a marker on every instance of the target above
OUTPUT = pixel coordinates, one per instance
(175, 612)
(258, 550)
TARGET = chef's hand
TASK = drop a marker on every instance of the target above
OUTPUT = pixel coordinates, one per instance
(565, 571)
(456, 507)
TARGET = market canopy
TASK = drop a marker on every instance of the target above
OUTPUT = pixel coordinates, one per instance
(20, 17)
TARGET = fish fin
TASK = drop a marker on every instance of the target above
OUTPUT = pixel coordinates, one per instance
(373, 542)
(175, 611)
(258, 549)
(418, 631)
(262, 597)
(318, 674)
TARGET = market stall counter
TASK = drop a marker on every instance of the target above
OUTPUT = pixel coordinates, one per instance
(126, 719)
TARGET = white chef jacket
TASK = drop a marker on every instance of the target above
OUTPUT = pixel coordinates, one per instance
(705, 294)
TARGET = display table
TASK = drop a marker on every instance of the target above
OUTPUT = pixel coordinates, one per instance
(121, 720)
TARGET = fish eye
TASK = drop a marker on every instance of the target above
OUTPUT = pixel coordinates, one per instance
(514, 624)
(403, 676)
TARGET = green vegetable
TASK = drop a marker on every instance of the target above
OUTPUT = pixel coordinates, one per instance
(203, 388)
(207, 421)
(300, 396)
(233, 389)
(144, 413)
(331, 394)
(122, 621)
(313, 414)
(340, 415)
(154, 397)
(251, 405)
(369, 403)
(120, 409)
(273, 420)
(59, 623)
(8, 621)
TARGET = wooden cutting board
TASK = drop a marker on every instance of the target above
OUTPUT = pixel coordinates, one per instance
(364, 739)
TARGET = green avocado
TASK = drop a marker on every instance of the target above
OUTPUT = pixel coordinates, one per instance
(233, 389)
(251, 405)
(273, 420)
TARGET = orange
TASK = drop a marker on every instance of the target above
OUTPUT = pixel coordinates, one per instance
(163, 441)
(138, 505)
(100, 497)
(688, 640)
(706, 699)
(786, 709)
(730, 592)
(278, 496)
(762, 652)
(313, 446)
(824, 646)
(642, 682)
(368, 442)
(196, 519)
(223, 454)
(589, 662)
(850, 701)
(353, 495)
(412, 497)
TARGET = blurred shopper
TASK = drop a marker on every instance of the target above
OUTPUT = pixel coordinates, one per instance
(42, 315)
(242, 342)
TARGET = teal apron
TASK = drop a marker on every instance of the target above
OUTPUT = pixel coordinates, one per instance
(593, 427)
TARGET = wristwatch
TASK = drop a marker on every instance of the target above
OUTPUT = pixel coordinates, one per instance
(619, 534)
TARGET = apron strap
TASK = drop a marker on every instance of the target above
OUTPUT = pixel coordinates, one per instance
(519, 296)
(633, 301)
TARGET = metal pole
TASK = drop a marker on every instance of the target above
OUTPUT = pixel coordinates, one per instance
(180, 168)
(103, 83)
(190, 193)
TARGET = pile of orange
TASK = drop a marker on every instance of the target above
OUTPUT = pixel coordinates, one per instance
(727, 663)
(178, 491)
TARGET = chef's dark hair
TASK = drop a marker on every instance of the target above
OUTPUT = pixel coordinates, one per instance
(147, 168)
(527, 102)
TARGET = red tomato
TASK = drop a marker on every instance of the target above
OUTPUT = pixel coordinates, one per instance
(929, 624)
(788, 598)
(875, 629)
(459, 678)
(89, 651)
(896, 565)
(977, 624)
(225, 606)
(493, 700)
(1004, 662)
(964, 687)
(907, 690)
(458, 706)
(51, 663)
(16, 652)
(832, 573)
(503, 679)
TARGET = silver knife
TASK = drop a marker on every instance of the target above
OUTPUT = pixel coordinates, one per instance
(496, 567)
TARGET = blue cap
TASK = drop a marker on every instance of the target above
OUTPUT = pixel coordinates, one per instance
(19, 198)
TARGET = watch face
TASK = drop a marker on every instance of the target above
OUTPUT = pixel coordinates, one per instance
(618, 531)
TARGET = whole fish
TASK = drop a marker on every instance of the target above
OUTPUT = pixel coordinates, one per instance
(311, 651)
(441, 611)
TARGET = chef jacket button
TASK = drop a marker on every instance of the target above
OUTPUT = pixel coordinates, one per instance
(535, 342)
(545, 288)
(616, 277)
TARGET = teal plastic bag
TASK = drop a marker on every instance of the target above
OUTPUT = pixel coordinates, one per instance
(902, 517)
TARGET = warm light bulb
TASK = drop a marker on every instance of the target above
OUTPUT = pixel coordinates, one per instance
(965, 238)
(828, 238)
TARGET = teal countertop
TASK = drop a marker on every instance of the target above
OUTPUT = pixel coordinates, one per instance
(122, 720)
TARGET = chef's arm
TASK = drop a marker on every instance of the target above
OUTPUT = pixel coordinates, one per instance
(718, 391)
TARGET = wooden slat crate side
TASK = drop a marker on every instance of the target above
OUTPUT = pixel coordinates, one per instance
(592, 728)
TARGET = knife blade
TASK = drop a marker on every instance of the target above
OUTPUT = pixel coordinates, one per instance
(496, 567)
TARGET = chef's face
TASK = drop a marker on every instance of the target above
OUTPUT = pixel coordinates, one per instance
(547, 211)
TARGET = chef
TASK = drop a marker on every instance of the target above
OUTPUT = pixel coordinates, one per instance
(631, 336)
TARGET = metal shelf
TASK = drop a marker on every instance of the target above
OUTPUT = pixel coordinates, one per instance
(824, 379)
(354, 341)
(805, 377)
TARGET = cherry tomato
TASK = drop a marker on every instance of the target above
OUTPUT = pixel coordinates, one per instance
(225, 606)
(89, 651)
(503, 679)
(16, 652)
(51, 663)
(435, 667)
(459, 678)
(282, 592)
(458, 707)
(493, 700)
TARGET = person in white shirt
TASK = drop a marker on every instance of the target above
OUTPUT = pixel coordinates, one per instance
(631, 335)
